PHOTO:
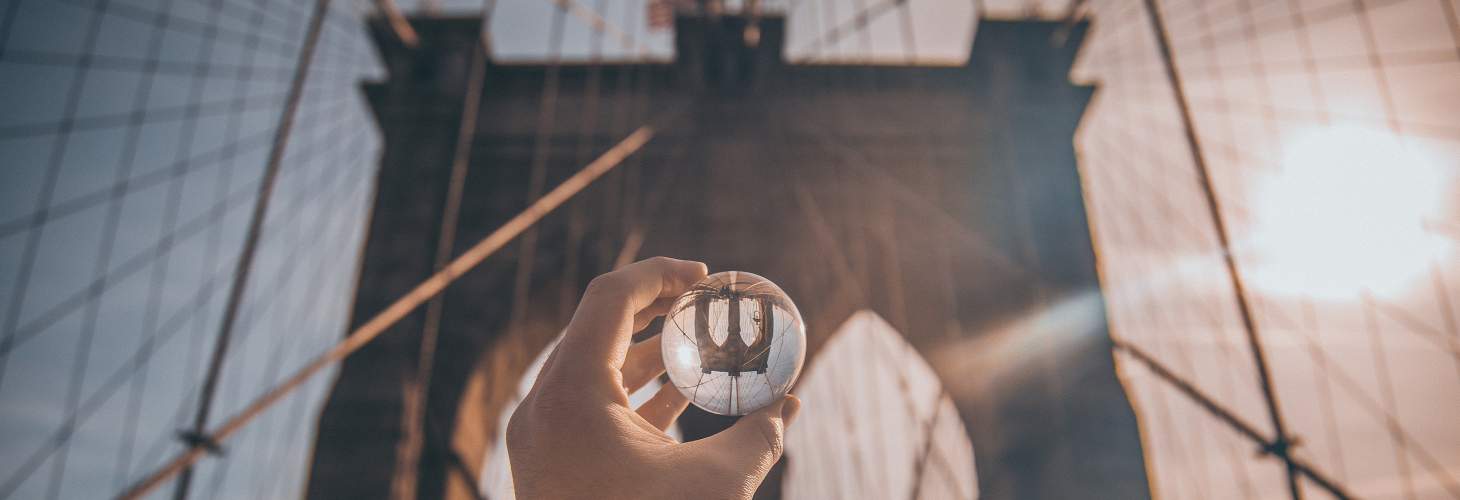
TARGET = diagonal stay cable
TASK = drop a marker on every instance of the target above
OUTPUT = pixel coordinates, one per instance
(415, 399)
(596, 22)
(179, 24)
(858, 23)
(305, 314)
(1270, 446)
(45, 319)
(158, 115)
(537, 170)
(398, 23)
(151, 178)
(577, 215)
(1282, 438)
(54, 163)
(130, 63)
(139, 359)
(1377, 410)
(255, 229)
(326, 180)
(409, 302)
(107, 248)
(157, 338)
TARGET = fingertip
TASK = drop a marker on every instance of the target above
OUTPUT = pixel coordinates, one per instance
(692, 271)
(790, 407)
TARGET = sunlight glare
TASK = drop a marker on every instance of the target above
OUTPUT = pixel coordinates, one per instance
(1345, 214)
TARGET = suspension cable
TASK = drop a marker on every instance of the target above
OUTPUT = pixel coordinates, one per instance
(409, 302)
(251, 240)
(1270, 446)
(858, 23)
(1282, 439)
(596, 22)
(398, 23)
(414, 416)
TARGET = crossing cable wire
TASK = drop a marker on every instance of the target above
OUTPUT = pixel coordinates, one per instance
(1327, 370)
(1279, 25)
(1381, 411)
(635, 204)
(1148, 316)
(1322, 377)
(1377, 62)
(842, 261)
(7, 21)
(303, 312)
(416, 402)
(175, 234)
(423, 292)
(1281, 440)
(209, 218)
(340, 227)
(920, 462)
(1204, 20)
(114, 209)
(251, 239)
(1153, 317)
(129, 425)
(158, 337)
(908, 30)
(1270, 446)
(80, 360)
(215, 234)
(631, 100)
(139, 359)
(15, 333)
(1321, 365)
(54, 162)
(622, 203)
(126, 10)
(597, 23)
(1391, 113)
(288, 238)
(858, 23)
(537, 175)
(112, 120)
(398, 23)
(588, 125)
(1146, 230)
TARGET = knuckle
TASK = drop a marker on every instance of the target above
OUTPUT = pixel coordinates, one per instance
(604, 283)
(774, 439)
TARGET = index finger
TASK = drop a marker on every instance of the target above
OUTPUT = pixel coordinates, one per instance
(597, 338)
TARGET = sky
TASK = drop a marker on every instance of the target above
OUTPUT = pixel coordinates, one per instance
(1305, 109)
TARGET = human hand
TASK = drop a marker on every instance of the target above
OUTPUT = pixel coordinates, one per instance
(574, 435)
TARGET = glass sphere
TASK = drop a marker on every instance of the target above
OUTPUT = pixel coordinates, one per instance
(734, 343)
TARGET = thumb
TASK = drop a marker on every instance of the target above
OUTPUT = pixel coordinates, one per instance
(751, 446)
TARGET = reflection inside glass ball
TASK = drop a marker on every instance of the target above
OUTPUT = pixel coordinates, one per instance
(734, 343)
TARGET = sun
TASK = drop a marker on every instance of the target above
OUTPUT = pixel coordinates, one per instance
(1346, 214)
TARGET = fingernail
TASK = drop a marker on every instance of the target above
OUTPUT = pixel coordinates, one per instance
(790, 408)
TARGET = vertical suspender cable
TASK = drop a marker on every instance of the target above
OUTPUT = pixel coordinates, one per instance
(1281, 440)
(251, 239)
(537, 176)
(409, 302)
(414, 418)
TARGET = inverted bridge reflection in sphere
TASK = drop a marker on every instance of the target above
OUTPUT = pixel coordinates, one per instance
(734, 343)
